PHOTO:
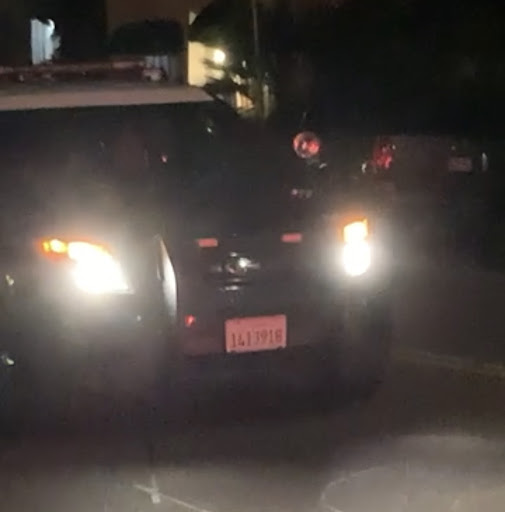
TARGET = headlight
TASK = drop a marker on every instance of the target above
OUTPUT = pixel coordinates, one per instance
(356, 252)
(356, 258)
(94, 269)
(355, 231)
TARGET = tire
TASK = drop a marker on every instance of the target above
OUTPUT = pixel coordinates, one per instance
(359, 353)
(22, 401)
(175, 394)
(8, 409)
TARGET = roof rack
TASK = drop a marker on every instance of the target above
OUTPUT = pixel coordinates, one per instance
(129, 69)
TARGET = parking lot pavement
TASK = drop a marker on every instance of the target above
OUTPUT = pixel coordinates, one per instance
(431, 438)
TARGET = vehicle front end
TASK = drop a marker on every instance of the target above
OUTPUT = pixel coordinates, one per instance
(79, 313)
(316, 298)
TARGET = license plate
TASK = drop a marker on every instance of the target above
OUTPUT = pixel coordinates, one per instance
(256, 334)
(460, 164)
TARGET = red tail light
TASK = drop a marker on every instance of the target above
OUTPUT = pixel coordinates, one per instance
(292, 238)
(189, 320)
(383, 153)
(207, 243)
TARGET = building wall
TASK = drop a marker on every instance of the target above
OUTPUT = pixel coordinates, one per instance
(42, 41)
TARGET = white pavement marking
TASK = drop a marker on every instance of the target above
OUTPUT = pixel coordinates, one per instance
(156, 496)
(323, 499)
(153, 491)
(460, 364)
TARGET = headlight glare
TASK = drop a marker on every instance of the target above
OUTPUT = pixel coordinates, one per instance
(355, 231)
(356, 251)
(356, 258)
(93, 268)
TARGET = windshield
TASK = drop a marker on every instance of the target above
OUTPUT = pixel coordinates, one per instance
(195, 160)
(186, 144)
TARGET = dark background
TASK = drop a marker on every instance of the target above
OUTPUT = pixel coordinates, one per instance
(411, 64)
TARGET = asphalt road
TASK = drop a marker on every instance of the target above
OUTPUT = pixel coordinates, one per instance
(433, 438)
(448, 308)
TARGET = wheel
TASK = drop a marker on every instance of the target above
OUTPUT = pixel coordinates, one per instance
(23, 399)
(7, 401)
(175, 397)
(359, 353)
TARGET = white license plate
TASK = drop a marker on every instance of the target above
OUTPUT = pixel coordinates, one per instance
(460, 164)
(256, 334)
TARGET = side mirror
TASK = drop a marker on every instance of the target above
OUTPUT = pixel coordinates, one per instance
(307, 145)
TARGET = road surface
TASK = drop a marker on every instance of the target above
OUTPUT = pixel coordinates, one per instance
(446, 308)
(432, 439)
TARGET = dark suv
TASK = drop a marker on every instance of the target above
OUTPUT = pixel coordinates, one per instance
(148, 232)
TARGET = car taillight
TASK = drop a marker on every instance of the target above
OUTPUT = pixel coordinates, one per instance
(207, 243)
(292, 238)
(383, 153)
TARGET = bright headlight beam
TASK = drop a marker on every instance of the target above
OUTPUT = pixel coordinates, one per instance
(94, 269)
(356, 258)
(355, 231)
(356, 253)
(54, 246)
(100, 277)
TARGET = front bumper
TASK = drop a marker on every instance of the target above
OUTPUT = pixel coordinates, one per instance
(59, 336)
